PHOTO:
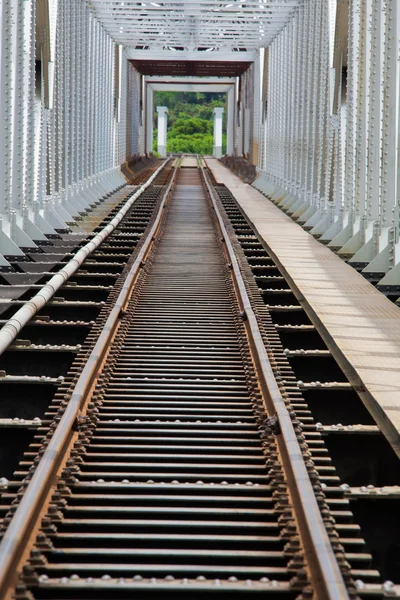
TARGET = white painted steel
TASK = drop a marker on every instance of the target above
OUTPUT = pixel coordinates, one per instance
(217, 146)
(317, 109)
(218, 53)
(330, 132)
(162, 125)
(193, 24)
(62, 138)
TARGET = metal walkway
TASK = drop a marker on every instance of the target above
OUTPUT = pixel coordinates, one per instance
(360, 326)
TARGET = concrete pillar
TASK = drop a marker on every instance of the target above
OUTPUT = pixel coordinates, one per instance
(162, 130)
(217, 149)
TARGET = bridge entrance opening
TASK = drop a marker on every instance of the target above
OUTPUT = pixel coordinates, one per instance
(190, 123)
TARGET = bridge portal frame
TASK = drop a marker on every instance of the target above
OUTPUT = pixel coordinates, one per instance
(154, 83)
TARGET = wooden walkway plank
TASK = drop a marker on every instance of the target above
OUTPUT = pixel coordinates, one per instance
(360, 326)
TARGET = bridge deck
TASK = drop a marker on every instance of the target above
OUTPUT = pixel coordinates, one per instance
(360, 326)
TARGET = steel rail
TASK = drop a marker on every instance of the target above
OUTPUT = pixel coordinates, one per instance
(11, 329)
(25, 518)
(325, 576)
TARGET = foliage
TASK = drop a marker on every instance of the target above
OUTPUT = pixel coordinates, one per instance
(190, 121)
(190, 125)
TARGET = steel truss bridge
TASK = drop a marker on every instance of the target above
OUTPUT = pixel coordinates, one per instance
(200, 356)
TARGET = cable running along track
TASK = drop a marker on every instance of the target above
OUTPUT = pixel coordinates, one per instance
(175, 467)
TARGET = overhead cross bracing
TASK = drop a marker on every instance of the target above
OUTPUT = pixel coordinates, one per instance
(203, 25)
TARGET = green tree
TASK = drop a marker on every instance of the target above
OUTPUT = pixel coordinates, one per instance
(190, 121)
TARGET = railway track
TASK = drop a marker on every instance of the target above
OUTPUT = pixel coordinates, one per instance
(188, 448)
(54, 342)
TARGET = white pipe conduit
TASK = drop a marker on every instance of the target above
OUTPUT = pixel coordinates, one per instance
(11, 329)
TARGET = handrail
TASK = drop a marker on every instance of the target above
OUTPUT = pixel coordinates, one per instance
(36, 494)
(11, 329)
(325, 575)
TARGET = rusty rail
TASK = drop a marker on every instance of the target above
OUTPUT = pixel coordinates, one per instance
(325, 576)
(22, 526)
